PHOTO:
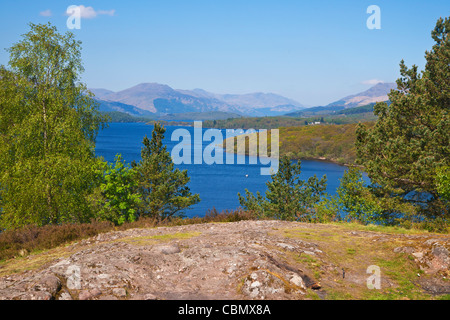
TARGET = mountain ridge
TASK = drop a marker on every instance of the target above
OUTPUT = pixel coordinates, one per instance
(376, 93)
(161, 99)
(155, 99)
(369, 97)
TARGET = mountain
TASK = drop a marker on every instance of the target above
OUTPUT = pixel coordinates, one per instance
(256, 104)
(368, 98)
(101, 93)
(112, 106)
(256, 100)
(199, 116)
(161, 99)
(377, 93)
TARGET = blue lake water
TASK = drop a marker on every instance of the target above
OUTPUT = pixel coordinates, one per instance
(217, 184)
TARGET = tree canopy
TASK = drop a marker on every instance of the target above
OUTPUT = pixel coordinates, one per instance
(163, 188)
(410, 140)
(287, 196)
(48, 125)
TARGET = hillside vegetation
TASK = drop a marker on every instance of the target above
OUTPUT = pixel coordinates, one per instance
(324, 142)
(302, 118)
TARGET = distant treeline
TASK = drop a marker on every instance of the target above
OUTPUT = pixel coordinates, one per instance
(346, 116)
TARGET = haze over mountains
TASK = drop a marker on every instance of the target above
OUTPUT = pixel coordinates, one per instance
(159, 100)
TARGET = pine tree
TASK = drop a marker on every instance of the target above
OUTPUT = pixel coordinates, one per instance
(410, 140)
(287, 197)
(163, 189)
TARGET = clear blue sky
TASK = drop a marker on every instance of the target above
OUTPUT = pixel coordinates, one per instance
(312, 51)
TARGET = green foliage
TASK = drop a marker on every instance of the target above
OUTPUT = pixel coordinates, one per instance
(353, 115)
(118, 202)
(324, 142)
(326, 211)
(356, 110)
(443, 182)
(327, 142)
(48, 125)
(411, 138)
(355, 201)
(288, 197)
(163, 188)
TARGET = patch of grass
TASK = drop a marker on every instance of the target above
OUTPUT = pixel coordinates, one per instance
(301, 233)
(355, 226)
(312, 263)
(312, 295)
(34, 261)
(403, 273)
(355, 252)
(338, 295)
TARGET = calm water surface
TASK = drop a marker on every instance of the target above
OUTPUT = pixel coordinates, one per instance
(217, 185)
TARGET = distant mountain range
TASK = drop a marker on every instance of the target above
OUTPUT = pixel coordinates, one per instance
(159, 100)
(377, 93)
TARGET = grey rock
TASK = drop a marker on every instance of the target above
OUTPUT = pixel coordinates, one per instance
(440, 252)
(404, 250)
(120, 292)
(50, 284)
(84, 295)
(298, 281)
(171, 249)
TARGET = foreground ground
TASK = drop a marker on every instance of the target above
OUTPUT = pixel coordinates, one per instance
(240, 260)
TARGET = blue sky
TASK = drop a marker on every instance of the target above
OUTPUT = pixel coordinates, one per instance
(312, 51)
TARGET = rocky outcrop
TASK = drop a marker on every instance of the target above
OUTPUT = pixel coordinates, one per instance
(242, 260)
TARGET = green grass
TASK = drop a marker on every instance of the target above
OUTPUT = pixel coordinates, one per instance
(403, 272)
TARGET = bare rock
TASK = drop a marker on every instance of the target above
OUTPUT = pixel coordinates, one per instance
(298, 281)
(120, 292)
(404, 250)
(229, 261)
(84, 295)
(170, 249)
